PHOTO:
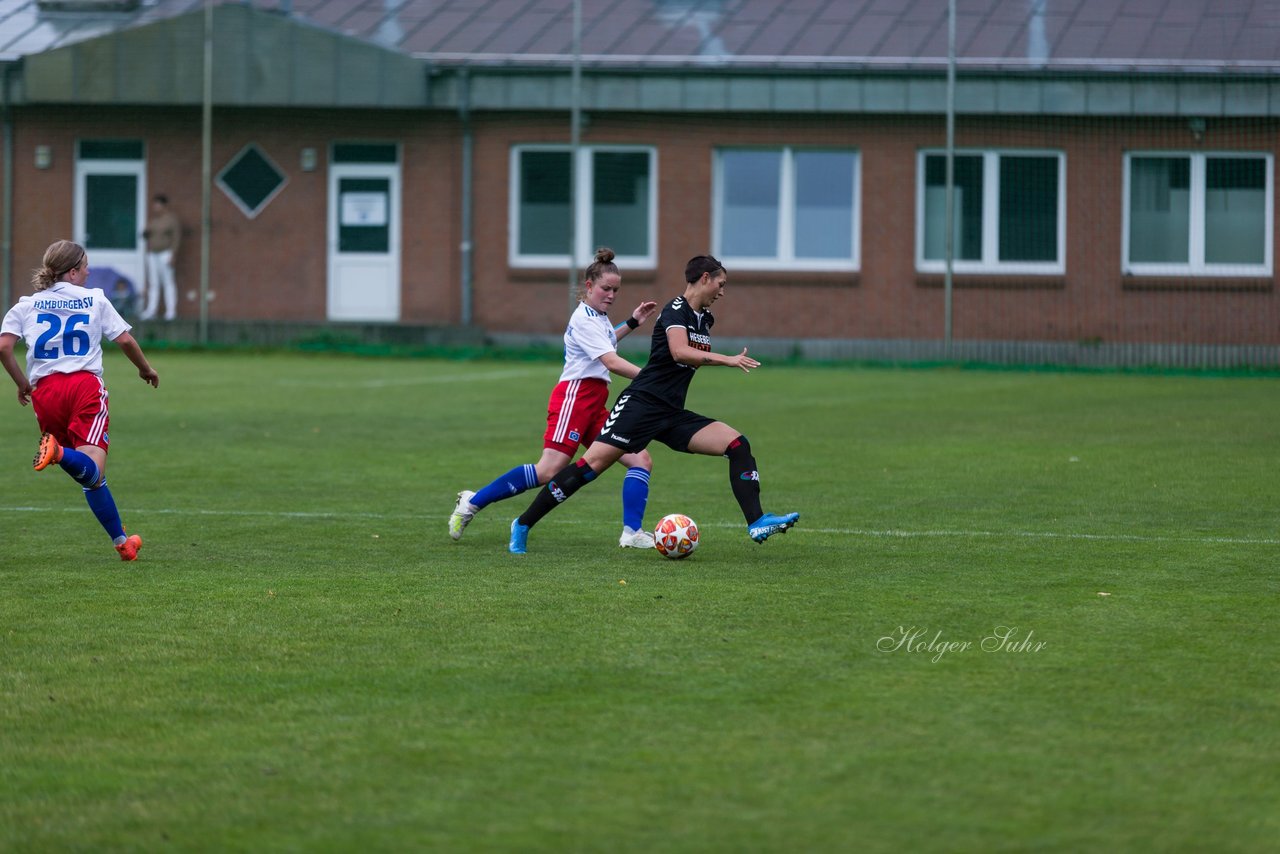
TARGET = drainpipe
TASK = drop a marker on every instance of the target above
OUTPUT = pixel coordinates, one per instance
(575, 143)
(950, 219)
(206, 175)
(6, 231)
(466, 248)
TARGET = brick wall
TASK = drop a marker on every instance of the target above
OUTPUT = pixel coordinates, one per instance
(274, 267)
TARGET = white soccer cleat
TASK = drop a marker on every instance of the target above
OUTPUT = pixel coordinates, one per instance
(635, 539)
(463, 513)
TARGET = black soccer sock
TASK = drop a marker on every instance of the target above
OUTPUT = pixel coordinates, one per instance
(563, 483)
(744, 479)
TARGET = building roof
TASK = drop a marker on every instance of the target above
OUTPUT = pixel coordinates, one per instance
(1192, 58)
(260, 60)
(1166, 36)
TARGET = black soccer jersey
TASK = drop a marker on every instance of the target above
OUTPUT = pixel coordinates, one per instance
(662, 376)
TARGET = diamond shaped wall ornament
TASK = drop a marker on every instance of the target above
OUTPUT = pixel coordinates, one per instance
(251, 180)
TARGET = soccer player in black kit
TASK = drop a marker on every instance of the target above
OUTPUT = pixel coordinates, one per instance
(653, 408)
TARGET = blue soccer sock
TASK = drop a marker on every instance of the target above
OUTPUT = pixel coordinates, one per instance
(103, 506)
(635, 497)
(512, 483)
(80, 466)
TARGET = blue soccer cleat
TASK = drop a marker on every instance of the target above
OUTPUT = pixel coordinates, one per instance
(519, 537)
(764, 527)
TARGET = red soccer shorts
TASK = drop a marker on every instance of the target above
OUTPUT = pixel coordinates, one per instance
(73, 407)
(575, 414)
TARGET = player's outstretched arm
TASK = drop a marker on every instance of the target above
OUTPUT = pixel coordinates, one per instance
(642, 313)
(7, 341)
(133, 350)
(620, 366)
(686, 354)
(743, 361)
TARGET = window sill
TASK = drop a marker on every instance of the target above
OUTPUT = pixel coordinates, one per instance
(559, 275)
(1197, 283)
(794, 278)
(994, 281)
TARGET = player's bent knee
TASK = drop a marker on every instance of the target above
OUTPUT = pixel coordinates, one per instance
(639, 460)
(713, 440)
(601, 456)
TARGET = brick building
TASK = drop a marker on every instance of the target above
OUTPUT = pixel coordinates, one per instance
(410, 163)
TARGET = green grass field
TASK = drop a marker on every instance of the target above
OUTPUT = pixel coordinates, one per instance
(302, 660)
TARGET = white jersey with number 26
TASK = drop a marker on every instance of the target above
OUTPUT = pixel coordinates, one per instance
(64, 326)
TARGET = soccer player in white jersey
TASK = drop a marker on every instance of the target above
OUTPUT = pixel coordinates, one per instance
(578, 406)
(653, 407)
(64, 324)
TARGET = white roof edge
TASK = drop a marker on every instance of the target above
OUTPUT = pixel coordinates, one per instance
(1110, 65)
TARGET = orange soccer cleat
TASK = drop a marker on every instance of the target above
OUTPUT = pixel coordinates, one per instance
(129, 548)
(48, 452)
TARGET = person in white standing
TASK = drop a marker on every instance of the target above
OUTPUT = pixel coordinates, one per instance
(63, 324)
(162, 235)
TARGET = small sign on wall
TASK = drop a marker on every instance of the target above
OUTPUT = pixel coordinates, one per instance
(368, 209)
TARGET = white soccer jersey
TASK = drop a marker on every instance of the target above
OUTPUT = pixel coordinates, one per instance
(589, 336)
(64, 327)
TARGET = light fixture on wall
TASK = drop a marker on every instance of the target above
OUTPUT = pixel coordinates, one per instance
(1196, 126)
(307, 160)
(44, 156)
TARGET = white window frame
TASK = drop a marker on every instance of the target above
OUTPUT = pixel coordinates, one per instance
(990, 261)
(1196, 265)
(130, 261)
(584, 176)
(786, 258)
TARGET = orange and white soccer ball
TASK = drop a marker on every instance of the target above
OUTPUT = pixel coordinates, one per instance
(676, 536)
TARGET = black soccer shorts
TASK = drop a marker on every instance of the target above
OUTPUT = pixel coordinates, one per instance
(638, 418)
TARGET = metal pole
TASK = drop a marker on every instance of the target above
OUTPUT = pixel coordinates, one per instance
(951, 174)
(464, 115)
(6, 250)
(206, 174)
(575, 140)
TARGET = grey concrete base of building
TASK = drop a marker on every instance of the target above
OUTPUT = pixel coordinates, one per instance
(1067, 354)
(268, 334)
(1031, 353)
